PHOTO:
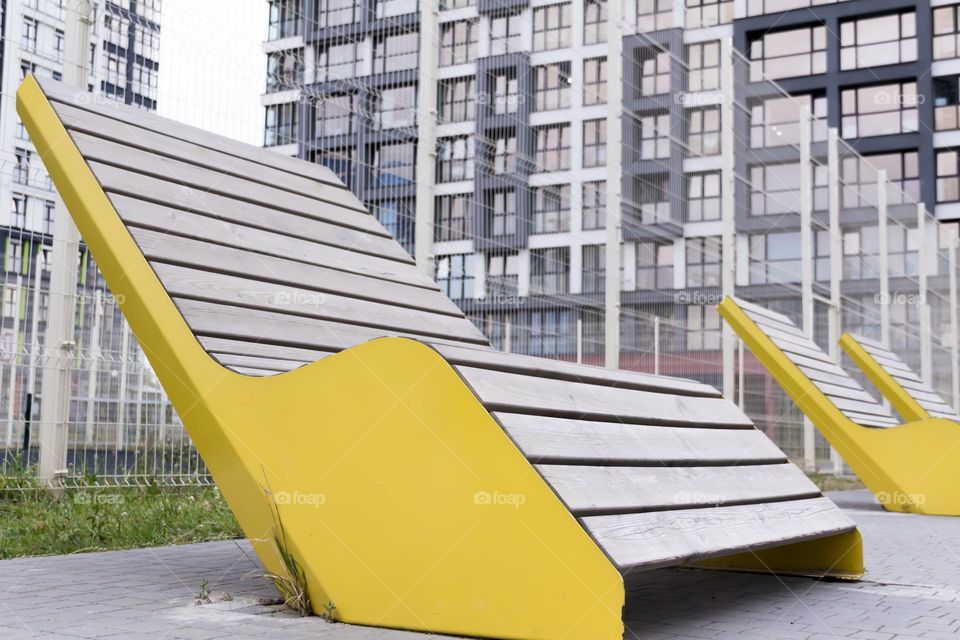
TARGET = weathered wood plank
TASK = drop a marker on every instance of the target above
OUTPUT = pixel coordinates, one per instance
(196, 284)
(101, 127)
(236, 362)
(660, 539)
(166, 248)
(595, 490)
(560, 370)
(227, 346)
(60, 94)
(572, 441)
(516, 393)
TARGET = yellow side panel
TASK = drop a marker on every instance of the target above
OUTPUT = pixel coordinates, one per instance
(402, 499)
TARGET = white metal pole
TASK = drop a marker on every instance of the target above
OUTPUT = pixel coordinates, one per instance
(63, 276)
(580, 340)
(742, 377)
(835, 315)
(954, 326)
(806, 266)
(728, 262)
(426, 136)
(926, 343)
(95, 354)
(613, 250)
(883, 259)
(15, 358)
(35, 358)
(656, 345)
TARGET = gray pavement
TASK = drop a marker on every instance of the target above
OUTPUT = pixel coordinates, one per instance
(912, 590)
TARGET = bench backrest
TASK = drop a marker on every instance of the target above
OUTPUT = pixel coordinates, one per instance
(255, 247)
(829, 378)
(908, 393)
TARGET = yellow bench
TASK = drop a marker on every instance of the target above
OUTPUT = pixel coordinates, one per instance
(914, 467)
(910, 396)
(423, 480)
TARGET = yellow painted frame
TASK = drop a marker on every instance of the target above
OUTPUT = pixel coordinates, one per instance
(901, 400)
(912, 468)
(400, 496)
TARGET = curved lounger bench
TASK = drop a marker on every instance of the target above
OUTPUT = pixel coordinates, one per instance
(423, 479)
(913, 467)
(912, 398)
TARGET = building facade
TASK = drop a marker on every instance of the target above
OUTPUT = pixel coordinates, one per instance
(111, 397)
(507, 102)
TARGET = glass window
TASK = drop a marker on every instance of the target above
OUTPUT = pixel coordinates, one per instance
(786, 54)
(775, 258)
(397, 107)
(284, 19)
(455, 159)
(948, 176)
(336, 115)
(506, 33)
(594, 81)
(594, 143)
(858, 179)
(503, 274)
(284, 71)
(775, 188)
(338, 62)
(655, 136)
(703, 131)
(708, 13)
(761, 7)
(874, 42)
(946, 101)
(654, 265)
(551, 27)
(879, 110)
(455, 275)
(340, 161)
(395, 52)
(397, 217)
(453, 217)
(394, 164)
(502, 205)
(458, 42)
(594, 209)
(703, 196)
(332, 13)
(281, 124)
(552, 147)
(18, 212)
(653, 194)
(458, 99)
(552, 86)
(505, 96)
(703, 262)
(549, 270)
(703, 62)
(594, 21)
(703, 328)
(391, 8)
(21, 170)
(504, 153)
(593, 268)
(653, 15)
(946, 30)
(775, 122)
(654, 72)
(551, 209)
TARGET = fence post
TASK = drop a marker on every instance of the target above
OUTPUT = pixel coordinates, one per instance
(926, 343)
(954, 325)
(611, 333)
(728, 261)
(835, 314)
(806, 266)
(426, 137)
(59, 339)
(656, 345)
(883, 259)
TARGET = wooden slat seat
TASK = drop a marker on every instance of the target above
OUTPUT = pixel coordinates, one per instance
(274, 292)
(913, 398)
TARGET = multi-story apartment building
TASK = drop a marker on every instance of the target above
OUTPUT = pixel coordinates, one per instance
(123, 65)
(508, 102)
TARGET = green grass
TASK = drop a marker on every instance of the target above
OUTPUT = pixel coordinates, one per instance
(835, 483)
(33, 522)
